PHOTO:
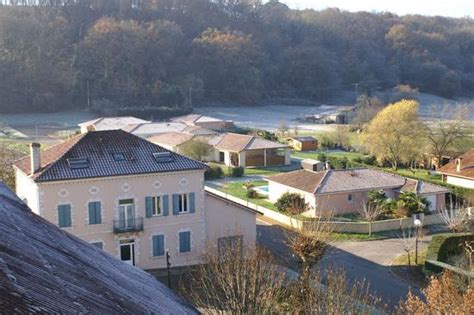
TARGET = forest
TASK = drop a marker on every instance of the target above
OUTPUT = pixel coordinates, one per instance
(175, 54)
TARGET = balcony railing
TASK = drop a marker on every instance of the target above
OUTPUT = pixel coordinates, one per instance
(128, 225)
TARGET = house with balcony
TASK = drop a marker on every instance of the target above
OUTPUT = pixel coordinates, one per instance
(46, 270)
(132, 198)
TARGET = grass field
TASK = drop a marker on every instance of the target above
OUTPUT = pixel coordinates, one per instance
(329, 153)
(236, 189)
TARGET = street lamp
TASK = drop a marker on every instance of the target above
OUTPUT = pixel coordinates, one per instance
(417, 223)
(168, 265)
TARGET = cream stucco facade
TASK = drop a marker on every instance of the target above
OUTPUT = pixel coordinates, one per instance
(460, 181)
(211, 219)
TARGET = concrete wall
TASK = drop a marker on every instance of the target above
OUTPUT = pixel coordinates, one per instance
(27, 191)
(275, 190)
(461, 182)
(109, 191)
(224, 218)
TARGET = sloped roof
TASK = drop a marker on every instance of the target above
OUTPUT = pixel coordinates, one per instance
(171, 138)
(422, 188)
(44, 269)
(304, 180)
(303, 139)
(97, 147)
(112, 123)
(467, 166)
(364, 179)
(193, 118)
(155, 128)
(199, 131)
(236, 143)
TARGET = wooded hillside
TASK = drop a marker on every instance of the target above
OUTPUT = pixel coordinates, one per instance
(64, 54)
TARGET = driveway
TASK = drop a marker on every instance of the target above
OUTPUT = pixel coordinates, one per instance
(369, 260)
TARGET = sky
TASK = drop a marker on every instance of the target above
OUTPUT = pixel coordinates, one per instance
(452, 8)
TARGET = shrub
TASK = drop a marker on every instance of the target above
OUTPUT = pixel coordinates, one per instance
(322, 157)
(237, 171)
(214, 172)
(369, 160)
(251, 193)
(339, 163)
(444, 246)
(292, 203)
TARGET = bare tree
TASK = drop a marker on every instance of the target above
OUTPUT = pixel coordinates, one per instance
(457, 219)
(409, 242)
(7, 157)
(370, 211)
(282, 127)
(236, 282)
(446, 130)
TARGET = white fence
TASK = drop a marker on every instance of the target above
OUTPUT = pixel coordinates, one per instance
(345, 227)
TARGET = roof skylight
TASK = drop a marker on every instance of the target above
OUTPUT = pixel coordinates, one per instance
(163, 157)
(78, 163)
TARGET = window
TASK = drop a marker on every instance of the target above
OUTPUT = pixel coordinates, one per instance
(184, 203)
(95, 212)
(158, 243)
(64, 216)
(98, 244)
(184, 242)
(163, 157)
(230, 245)
(350, 198)
(156, 206)
(118, 156)
(78, 163)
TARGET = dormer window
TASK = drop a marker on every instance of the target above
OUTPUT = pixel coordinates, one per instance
(163, 157)
(118, 156)
(78, 163)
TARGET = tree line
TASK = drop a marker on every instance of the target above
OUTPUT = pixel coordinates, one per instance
(64, 54)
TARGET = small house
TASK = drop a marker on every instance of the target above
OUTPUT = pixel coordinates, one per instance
(460, 171)
(305, 143)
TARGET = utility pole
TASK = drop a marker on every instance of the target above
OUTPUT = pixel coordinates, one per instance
(356, 91)
(168, 265)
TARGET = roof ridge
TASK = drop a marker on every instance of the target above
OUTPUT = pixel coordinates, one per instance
(321, 181)
(251, 140)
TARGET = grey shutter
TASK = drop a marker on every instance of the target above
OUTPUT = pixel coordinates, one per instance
(158, 245)
(192, 203)
(175, 204)
(184, 242)
(98, 212)
(92, 213)
(165, 205)
(149, 207)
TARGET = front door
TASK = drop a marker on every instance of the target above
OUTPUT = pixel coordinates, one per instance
(127, 252)
(126, 213)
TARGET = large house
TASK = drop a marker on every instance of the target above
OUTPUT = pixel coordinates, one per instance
(111, 123)
(345, 191)
(460, 171)
(130, 197)
(205, 122)
(44, 270)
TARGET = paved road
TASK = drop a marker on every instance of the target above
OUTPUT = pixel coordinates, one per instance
(367, 260)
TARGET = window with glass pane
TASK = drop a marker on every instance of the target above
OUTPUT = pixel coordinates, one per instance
(183, 203)
(156, 206)
(126, 213)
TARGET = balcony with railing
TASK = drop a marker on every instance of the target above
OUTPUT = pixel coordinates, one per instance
(128, 225)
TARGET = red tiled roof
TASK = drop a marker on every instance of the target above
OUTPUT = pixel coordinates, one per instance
(467, 166)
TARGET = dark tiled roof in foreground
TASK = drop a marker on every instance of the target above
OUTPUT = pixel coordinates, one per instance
(98, 148)
(46, 270)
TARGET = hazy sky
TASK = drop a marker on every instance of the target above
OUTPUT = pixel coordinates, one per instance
(454, 8)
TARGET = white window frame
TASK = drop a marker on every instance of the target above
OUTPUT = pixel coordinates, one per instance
(183, 200)
(157, 203)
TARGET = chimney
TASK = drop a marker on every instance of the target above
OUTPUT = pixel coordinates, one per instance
(458, 164)
(328, 165)
(35, 157)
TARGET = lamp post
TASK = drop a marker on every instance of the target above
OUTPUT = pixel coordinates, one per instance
(417, 223)
(168, 264)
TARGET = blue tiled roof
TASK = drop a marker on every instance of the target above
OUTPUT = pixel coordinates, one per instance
(98, 148)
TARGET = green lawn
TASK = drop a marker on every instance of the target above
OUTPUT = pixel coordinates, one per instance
(236, 189)
(336, 154)
(248, 171)
(418, 174)
(339, 237)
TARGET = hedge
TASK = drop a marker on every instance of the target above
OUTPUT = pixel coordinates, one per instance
(444, 246)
